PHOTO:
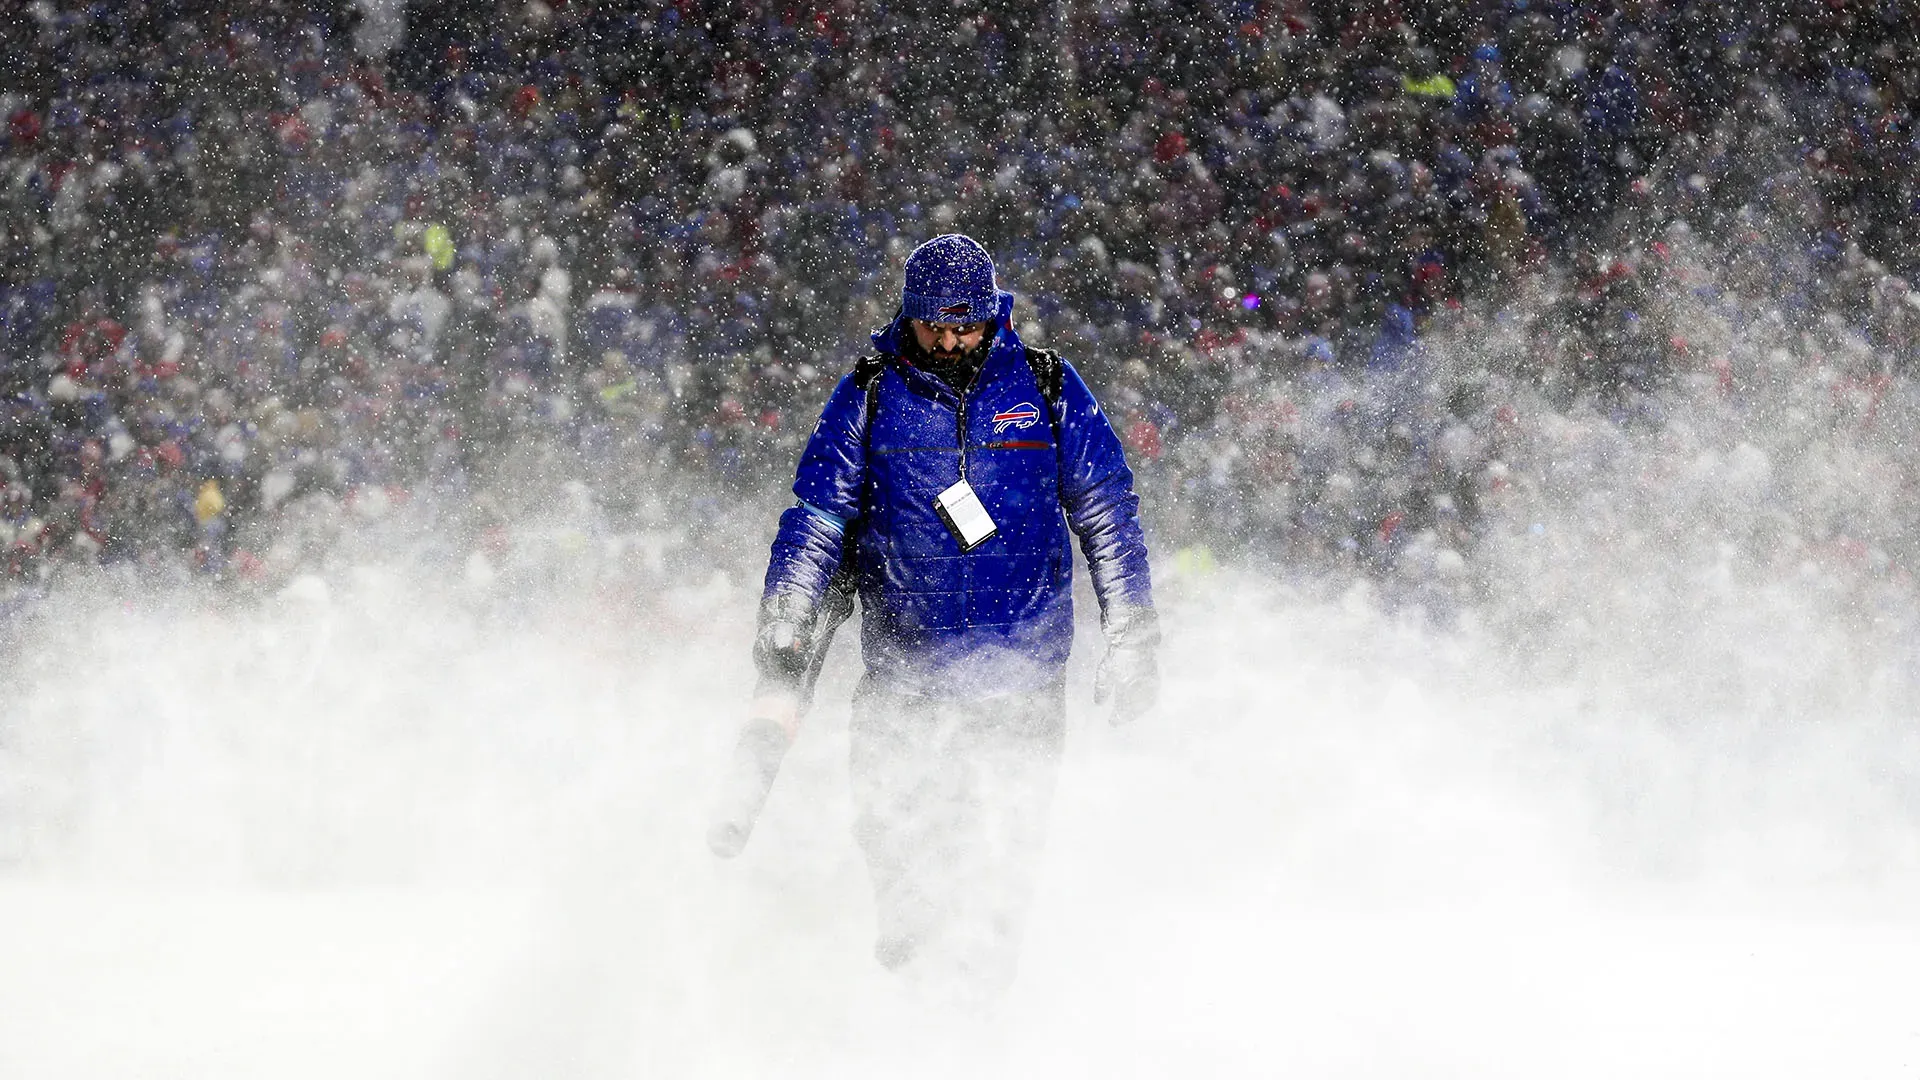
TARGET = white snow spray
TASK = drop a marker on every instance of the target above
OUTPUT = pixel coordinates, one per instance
(1645, 808)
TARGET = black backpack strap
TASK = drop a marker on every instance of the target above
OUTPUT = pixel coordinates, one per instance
(866, 375)
(1049, 371)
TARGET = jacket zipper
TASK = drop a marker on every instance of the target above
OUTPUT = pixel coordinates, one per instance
(964, 393)
(966, 565)
(963, 438)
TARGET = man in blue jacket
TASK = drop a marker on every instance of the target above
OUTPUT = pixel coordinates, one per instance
(944, 477)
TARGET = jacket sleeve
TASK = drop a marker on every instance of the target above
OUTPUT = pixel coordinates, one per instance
(807, 547)
(1096, 490)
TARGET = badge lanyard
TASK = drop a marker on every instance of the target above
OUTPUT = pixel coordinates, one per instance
(959, 506)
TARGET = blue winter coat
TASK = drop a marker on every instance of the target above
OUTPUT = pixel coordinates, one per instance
(935, 620)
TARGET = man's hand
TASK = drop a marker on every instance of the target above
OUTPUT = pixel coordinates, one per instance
(1129, 675)
(782, 644)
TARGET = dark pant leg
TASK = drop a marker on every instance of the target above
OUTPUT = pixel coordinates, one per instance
(951, 800)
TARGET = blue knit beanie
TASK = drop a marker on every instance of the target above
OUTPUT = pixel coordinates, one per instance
(950, 280)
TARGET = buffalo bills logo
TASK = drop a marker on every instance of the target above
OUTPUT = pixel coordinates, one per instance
(961, 309)
(1022, 415)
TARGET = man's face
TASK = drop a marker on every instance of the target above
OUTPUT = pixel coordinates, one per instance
(948, 341)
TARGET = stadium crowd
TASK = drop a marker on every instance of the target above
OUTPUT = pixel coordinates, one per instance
(1336, 270)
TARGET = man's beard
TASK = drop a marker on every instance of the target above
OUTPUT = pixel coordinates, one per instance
(955, 369)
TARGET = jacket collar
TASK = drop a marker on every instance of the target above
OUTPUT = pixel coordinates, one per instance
(1007, 349)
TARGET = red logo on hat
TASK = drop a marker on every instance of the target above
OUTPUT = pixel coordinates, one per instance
(962, 308)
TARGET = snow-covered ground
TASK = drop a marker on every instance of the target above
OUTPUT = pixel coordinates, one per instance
(378, 827)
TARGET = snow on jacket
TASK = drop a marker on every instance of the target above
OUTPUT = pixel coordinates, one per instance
(935, 619)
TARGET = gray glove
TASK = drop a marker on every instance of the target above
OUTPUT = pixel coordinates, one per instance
(783, 643)
(1129, 675)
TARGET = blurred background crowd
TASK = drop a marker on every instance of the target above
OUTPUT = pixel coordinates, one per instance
(1345, 275)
